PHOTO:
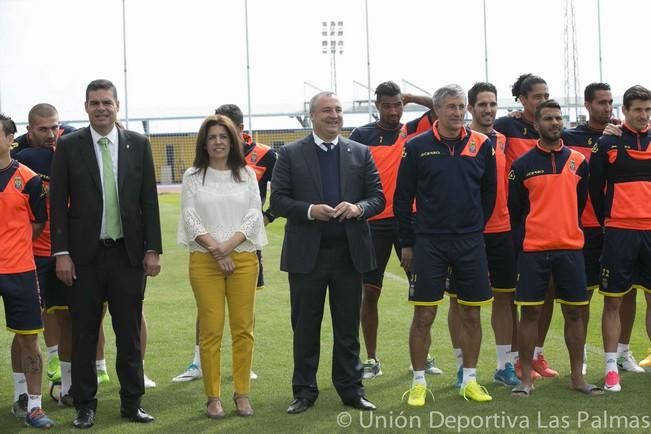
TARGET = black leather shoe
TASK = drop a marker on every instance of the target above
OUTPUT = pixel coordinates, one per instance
(85, 418)
(299, 405)
(361, 403)
(138, 415)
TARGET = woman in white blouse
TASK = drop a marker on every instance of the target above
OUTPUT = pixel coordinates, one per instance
(222, 225)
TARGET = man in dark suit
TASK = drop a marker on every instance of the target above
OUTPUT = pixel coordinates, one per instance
(326, 186)
(106, 238)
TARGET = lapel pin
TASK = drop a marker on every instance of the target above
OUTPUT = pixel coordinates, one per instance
(347, 149)
(128, 146)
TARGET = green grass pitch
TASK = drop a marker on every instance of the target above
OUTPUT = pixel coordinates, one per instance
(170, 311)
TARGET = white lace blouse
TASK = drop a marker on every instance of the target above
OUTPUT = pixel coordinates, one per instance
(220, 207)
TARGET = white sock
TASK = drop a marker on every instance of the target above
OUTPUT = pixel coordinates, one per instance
(537, 351)
(611, 362)
(469, 374)
(503, 355)
(66, 378)
(621, 349)
(459, 357)
(419, 378)
(33, 401)
(20, 385)
(197, 356)
(101, 365)
(52, 351)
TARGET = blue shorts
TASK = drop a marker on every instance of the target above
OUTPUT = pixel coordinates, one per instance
(463, 258)
(626, 260)
(535, 269)
(20, 295)
(53, 291)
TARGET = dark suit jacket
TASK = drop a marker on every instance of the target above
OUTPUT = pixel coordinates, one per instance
(76, 198)
(296, 184)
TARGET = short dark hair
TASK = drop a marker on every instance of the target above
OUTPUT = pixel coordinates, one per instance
(235, 160)
(42, 110)
(636, 92)
(7, 124)
(232, 112)
(388, 88)
(524, 84)
(592, 89)
(479, 87)
(550, 103)
(101, 84)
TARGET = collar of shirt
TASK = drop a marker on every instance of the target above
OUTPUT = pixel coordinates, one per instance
(320, 142)
(112, 136)
(112, 147)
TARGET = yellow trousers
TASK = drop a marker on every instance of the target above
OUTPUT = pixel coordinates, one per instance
(212, 291)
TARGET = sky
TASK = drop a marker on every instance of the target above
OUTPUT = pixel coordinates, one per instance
(186, 57)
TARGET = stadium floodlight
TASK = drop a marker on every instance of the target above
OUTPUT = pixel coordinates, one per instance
(332, 43)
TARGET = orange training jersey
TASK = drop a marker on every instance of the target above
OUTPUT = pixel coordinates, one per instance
(547, 193)
(521, 136)
(420, 125)
(620, 179)
(582, 139)
(22, 203)
(386, 148)
(499, 220)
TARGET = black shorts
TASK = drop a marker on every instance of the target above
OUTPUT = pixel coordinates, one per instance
(385, 238)
(636, 281)
(594, 242)
(502, 268)
(53, 291)
(501, 264)
(466, 260)
(20, 295)
(626, 260)
(535, 269)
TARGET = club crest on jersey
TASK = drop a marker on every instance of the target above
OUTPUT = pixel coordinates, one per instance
(403, 134)
(572, 166)
(472, 147)
(18, 182)
(589, 141)
(404, 152)
(254, 157)
(380, 139)
(524, 131)
(512, 175)
(595, 148)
